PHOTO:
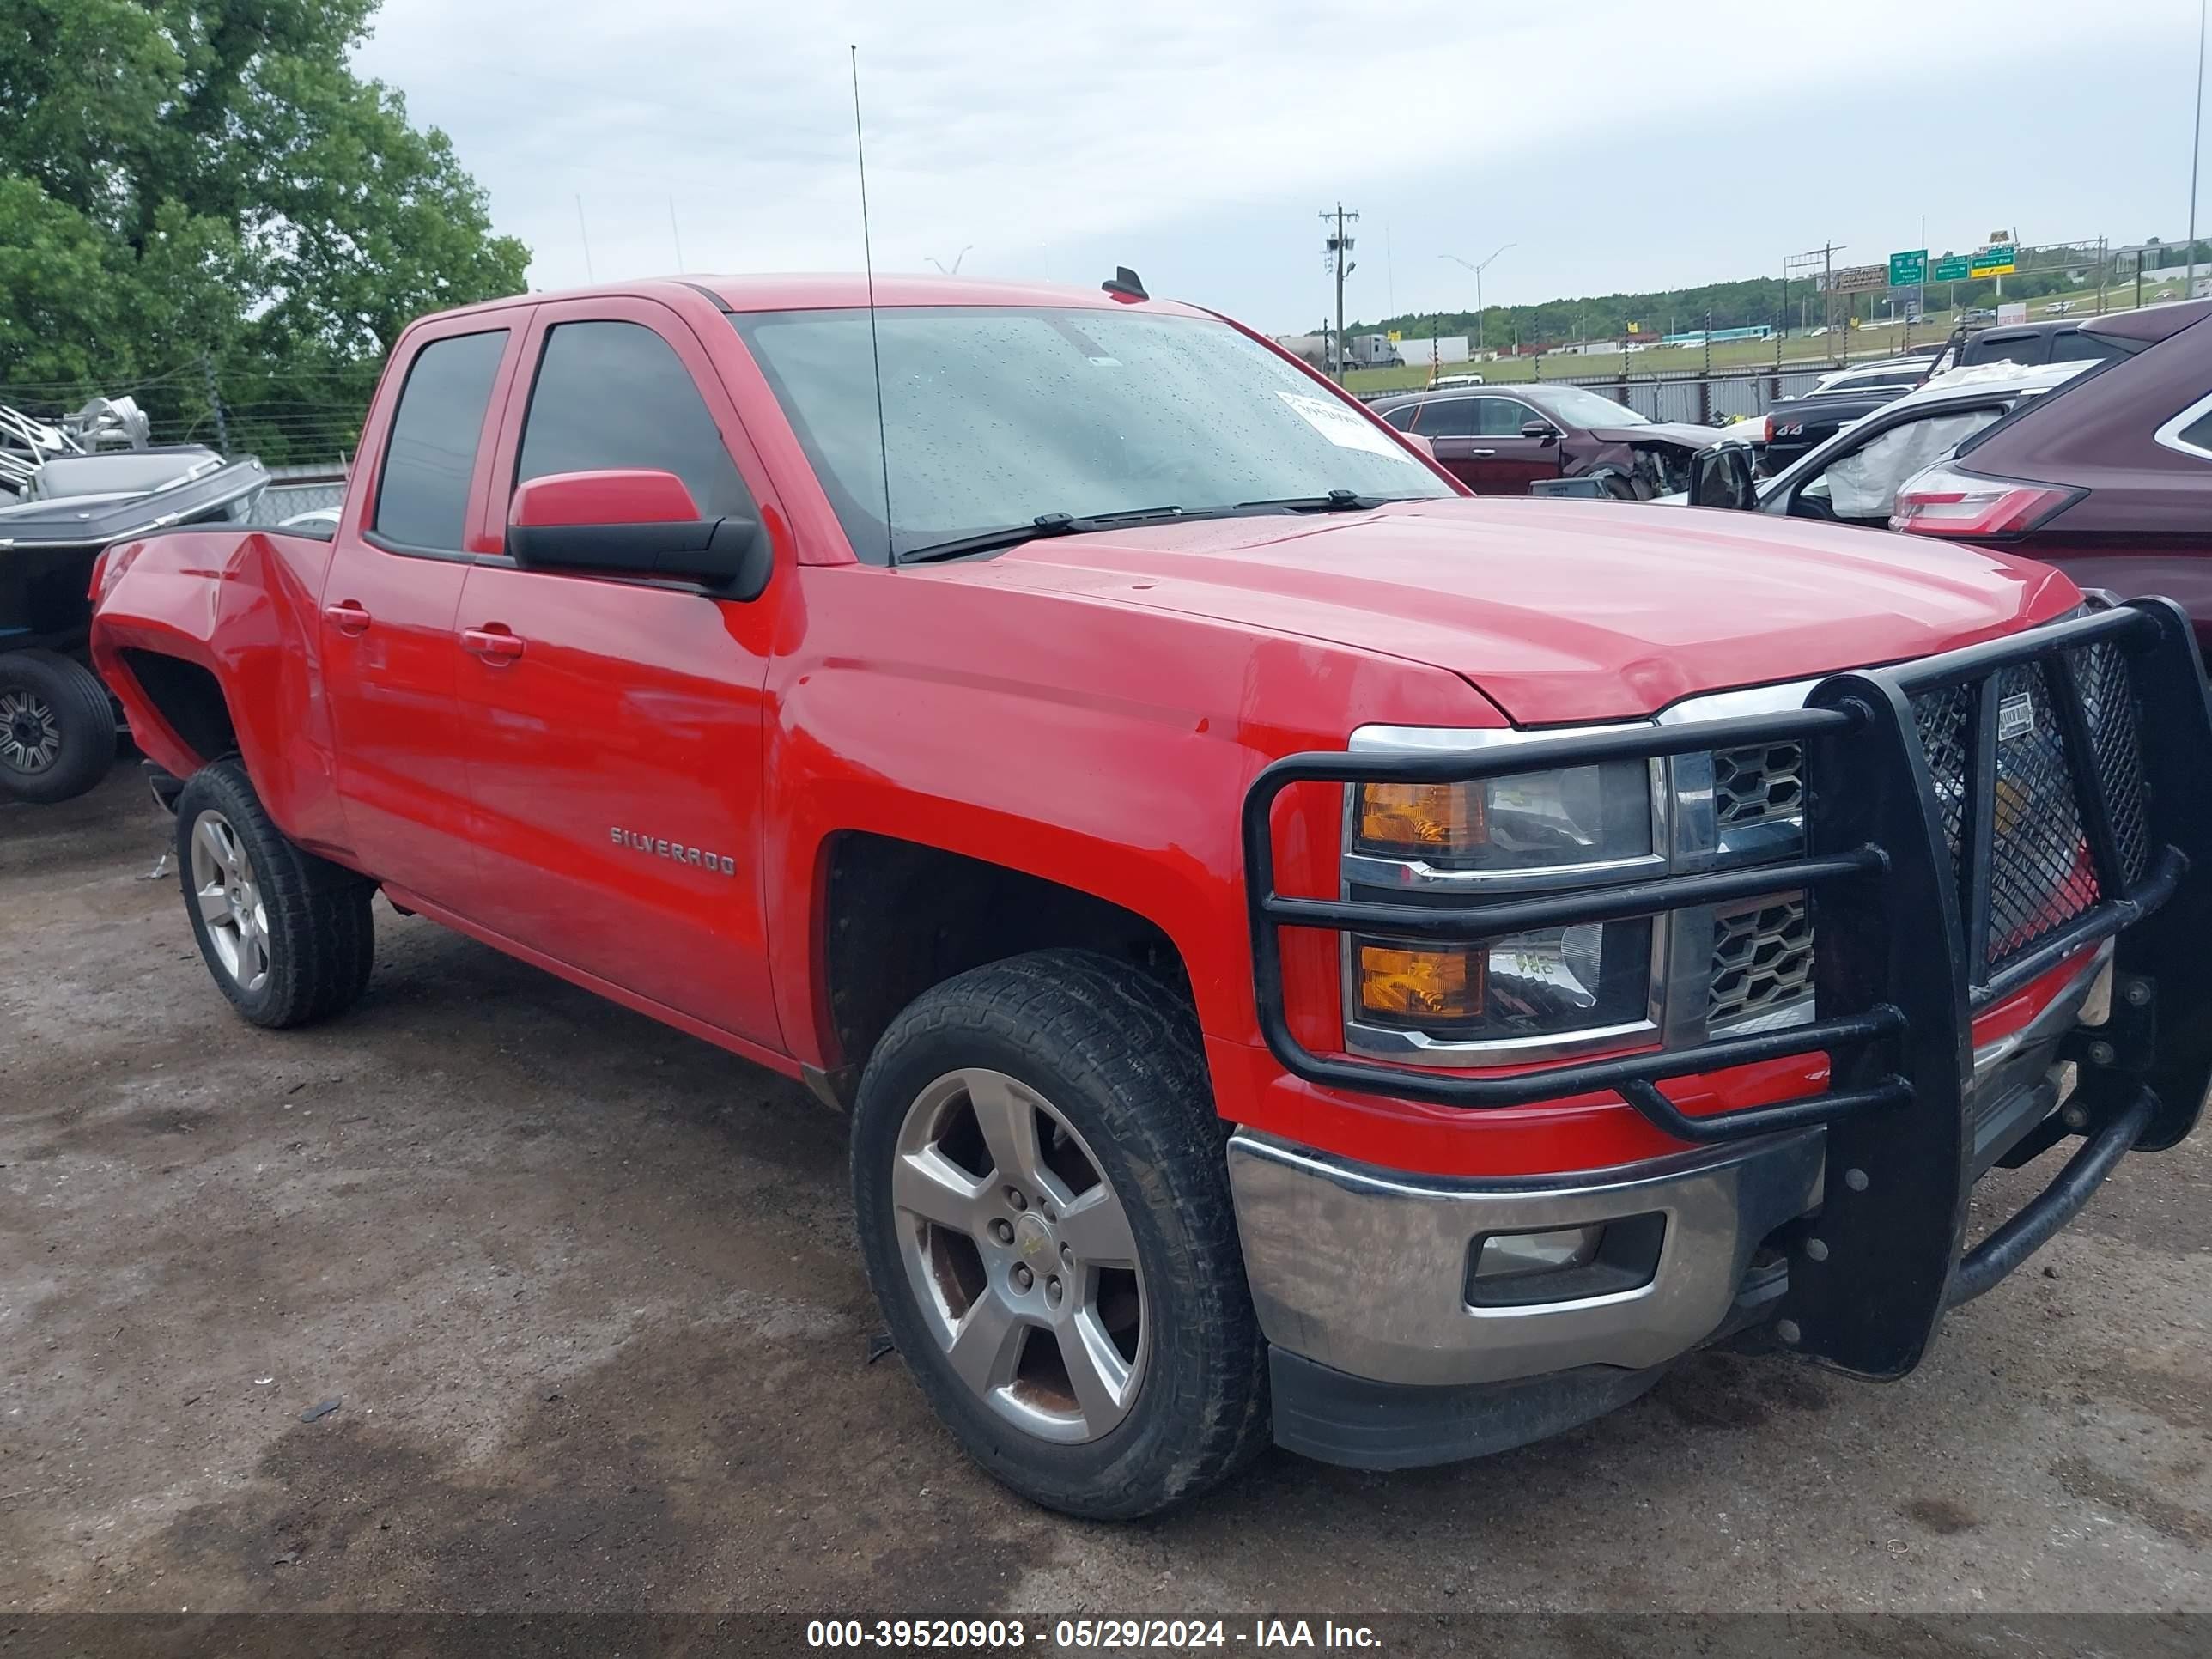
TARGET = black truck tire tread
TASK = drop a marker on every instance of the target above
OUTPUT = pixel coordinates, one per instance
(87, 717)
(322, 933)
(1107, 1035)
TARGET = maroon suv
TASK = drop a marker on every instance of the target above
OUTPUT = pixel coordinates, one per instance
(1498, 441)
(2111, 480)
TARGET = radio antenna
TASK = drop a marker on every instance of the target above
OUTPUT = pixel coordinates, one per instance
(875, 350)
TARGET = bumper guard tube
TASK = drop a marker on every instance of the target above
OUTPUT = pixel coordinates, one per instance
(1843, 1215)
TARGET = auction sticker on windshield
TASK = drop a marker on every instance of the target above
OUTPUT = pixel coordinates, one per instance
(1341, 427)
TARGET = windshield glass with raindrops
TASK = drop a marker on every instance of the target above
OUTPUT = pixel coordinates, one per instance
(998, 416)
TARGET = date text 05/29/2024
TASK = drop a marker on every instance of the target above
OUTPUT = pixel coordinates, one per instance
(1089, 1634)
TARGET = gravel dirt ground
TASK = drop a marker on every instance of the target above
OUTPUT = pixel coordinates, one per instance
(585, 1294)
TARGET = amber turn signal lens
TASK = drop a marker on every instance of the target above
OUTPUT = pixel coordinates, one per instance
(1406, 984)
(1422, 817)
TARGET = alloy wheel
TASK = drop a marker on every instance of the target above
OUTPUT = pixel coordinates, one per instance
(229, 895)
(30, 731)
(1019, 1253)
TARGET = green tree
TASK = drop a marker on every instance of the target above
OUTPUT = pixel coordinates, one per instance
(190, 181)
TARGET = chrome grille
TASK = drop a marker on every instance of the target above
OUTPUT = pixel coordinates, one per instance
(1754, 785)
(1762, 961)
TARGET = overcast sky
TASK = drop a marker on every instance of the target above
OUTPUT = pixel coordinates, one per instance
(1620, 144)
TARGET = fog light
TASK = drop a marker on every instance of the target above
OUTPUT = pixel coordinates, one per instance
(1511, 1255)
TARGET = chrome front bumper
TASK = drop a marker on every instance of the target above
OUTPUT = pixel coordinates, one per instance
(1368, 1271)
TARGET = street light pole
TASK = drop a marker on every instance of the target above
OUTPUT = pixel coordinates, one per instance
(1478, 270)
(2195, 146)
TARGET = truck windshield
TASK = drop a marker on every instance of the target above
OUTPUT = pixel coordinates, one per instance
(997, 417)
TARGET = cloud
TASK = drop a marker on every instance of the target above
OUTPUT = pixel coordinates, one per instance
(1620, 144)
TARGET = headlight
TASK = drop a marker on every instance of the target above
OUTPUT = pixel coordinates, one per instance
(1533, 821)
(1528, 830)
(1553, 982)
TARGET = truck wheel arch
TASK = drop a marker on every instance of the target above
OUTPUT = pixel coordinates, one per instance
(896, 917)
(188, 700)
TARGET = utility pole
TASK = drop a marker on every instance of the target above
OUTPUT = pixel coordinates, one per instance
(1337, 244)
(2195, 144)
(1828, 286)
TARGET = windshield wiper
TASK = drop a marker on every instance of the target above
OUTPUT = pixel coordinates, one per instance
(1067, 524)
(1044, 525)
(1337, 501)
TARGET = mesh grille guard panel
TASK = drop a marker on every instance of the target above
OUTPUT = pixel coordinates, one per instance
(2043, 841)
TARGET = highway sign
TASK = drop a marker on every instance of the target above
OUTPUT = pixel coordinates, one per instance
(1995, 260)
(1952, 267)
(1908, 269)
(1858, 279)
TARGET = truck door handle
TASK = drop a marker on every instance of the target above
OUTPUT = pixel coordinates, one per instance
(496, 646)
(347, 617)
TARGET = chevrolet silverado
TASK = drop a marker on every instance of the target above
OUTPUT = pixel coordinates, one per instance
(1306, 953)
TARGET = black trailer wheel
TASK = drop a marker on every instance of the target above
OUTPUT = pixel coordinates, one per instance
(1043, 1208)
(57, 727)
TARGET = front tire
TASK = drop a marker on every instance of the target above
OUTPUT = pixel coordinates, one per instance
(1043, 1208)
(289, 936)
(57, 727)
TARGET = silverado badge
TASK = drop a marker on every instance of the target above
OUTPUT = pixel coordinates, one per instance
(720, 864)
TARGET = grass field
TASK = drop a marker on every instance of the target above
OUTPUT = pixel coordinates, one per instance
(1871, 340)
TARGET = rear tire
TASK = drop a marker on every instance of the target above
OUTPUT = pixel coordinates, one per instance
(57, 727)
(1043, 1203)
(289, 936)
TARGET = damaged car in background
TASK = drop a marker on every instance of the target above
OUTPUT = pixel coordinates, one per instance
(1525, 441)
(68, 487)
(1853, 477)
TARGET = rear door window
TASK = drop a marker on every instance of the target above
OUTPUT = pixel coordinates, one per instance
(1450, 417)
(1402, 417)
(2079, 348)
(422, 499)
(2026, 348)
(616, 395)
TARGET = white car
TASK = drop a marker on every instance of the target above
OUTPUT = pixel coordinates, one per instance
(1853, 477)
(1898, 374)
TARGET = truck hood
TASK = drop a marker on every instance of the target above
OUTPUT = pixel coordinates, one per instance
(1558, 610)
(1670, 432)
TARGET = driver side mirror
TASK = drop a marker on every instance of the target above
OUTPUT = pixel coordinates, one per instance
(635, 522)
(1539, 429)
(1720, 475)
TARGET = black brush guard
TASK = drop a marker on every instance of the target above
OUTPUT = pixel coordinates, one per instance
(1902, 879)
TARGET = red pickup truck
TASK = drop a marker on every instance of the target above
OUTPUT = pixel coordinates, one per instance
(1304, 950)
